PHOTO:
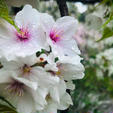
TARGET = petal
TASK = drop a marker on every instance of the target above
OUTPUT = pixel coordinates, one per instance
(47, 22)
(39, 96)
(28, 83)
(66, 101)
(70, 72)
(51, 108)
(57, 91)
(27, 17)
(44, 78)
(68, 25)
(11, 65)
(51, 67)
(70, 60)
(54, 93)
(29, 60)
(69, 47)
(70, 85)
(25, 104)
(5, 29)
(42, 39)
(62, 87)
(5, 76)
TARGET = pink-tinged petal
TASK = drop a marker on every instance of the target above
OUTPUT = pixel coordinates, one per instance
(28, 41)
(60, 37)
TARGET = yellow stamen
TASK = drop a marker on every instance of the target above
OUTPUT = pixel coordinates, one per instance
(58, 73)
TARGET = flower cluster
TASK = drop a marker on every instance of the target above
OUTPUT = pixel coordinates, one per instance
(39, 62)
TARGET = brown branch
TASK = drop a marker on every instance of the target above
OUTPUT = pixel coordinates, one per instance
(62, 7)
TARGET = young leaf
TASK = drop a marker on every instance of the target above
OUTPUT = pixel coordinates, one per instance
(5, 15)
(108, 21)
(107, 32)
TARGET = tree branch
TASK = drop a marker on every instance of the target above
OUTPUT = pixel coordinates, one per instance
(62, 7)
(82, 1)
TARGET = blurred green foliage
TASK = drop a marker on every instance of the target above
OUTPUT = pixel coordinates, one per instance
(108, 24)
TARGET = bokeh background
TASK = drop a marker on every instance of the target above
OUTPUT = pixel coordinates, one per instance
(94, 93)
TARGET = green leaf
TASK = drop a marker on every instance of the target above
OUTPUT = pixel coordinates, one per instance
(5, 15)
(107, 32)
(108, 21)
(6, 109)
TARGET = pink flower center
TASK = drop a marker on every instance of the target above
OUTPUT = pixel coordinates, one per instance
(55, 36)
(23, 35)
(15, 87)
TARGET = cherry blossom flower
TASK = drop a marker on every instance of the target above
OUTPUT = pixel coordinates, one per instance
(59, 34)
(28, 41)
(70, 68)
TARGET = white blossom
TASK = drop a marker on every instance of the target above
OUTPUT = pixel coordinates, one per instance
(59, 34)
(28, 41)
